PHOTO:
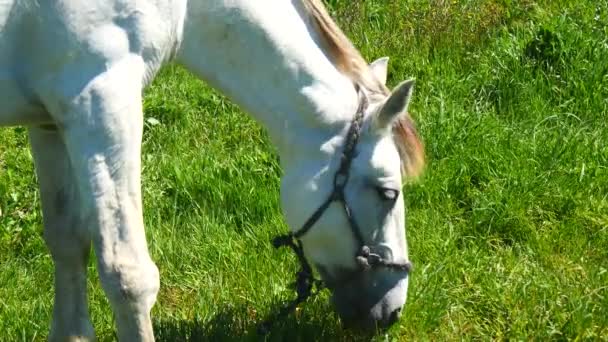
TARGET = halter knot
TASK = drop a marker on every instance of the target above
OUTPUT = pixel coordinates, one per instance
(366, 259)
(363, 263)
(282, 241)
(407, 266)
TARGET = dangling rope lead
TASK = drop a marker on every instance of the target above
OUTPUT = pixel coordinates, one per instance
(305, 281)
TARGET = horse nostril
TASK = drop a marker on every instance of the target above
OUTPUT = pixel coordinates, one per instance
(395, 315)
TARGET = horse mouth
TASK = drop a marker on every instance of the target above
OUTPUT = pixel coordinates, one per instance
(366, 300)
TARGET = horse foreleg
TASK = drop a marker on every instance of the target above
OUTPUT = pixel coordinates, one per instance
(102, 131)
(66, 236)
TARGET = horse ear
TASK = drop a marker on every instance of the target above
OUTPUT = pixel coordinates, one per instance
(380, 69)
(395, 105)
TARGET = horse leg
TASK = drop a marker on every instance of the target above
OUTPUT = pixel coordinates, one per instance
(66, 236)
(102, 130)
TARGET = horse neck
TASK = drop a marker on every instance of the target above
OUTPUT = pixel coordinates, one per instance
(265, 58)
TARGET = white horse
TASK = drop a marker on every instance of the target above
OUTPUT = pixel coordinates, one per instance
(73, 72)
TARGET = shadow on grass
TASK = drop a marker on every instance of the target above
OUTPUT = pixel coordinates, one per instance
(237, 324)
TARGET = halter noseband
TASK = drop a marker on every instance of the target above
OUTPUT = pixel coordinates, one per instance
(365, 259)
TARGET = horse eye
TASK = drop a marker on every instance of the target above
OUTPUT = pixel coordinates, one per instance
(388, 194)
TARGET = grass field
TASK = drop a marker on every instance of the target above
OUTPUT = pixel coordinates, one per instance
(508, 228)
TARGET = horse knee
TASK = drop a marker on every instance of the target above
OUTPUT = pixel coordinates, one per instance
(130, 283)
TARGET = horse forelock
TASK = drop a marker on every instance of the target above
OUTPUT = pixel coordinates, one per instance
(409, 146)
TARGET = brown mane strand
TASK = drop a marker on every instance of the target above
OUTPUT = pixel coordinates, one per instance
(349, 61)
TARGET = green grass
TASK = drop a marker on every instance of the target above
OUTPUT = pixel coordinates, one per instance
(508, 228)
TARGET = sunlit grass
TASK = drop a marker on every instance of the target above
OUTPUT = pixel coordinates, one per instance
(508, 228)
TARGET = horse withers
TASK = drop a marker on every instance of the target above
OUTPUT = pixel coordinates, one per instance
(73, 72)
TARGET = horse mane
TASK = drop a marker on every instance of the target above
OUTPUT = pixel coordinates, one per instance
(351, 63)
(342, 52)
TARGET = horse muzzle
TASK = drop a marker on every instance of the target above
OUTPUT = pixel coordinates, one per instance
(371, 300)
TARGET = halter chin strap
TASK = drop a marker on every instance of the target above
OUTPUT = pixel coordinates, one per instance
(366, 260)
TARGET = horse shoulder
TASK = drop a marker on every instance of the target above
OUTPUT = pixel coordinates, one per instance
(83, 41)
